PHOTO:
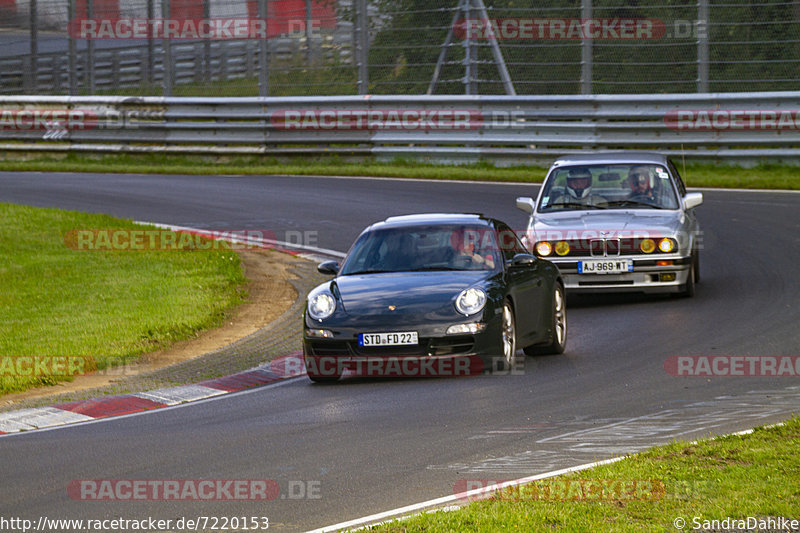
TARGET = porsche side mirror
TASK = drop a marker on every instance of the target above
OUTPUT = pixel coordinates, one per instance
(692, 199)
(330, 268)
(526, 204)
(522, 260)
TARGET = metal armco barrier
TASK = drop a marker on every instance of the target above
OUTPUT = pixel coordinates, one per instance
(505, 129)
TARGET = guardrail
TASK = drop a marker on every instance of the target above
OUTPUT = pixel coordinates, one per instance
(506, 129)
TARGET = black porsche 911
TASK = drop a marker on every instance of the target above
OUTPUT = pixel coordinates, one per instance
(433, 295)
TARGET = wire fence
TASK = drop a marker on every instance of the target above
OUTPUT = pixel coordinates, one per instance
(412, 47)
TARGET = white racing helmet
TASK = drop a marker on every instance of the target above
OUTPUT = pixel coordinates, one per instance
(579, 183)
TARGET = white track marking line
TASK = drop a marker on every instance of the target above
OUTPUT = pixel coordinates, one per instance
(231, 236)
(398, 513)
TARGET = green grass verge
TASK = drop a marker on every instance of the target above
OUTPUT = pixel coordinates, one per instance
(765, 176)
(110, 306)
(736, 477)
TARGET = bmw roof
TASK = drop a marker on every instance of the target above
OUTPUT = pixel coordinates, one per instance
(602, 158)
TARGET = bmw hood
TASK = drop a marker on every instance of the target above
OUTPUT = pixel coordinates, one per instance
(571, 225)
(404, 293)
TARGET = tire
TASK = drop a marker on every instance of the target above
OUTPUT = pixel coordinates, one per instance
(313, 373)
(558, 339)
(687, 291)
(508, 338)
(696, 259)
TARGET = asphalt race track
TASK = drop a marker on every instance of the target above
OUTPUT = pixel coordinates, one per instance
(361, 446)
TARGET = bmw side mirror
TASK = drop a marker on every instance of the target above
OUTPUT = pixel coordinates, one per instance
(526, 204)
(692, 199)
(330, 268)
(522, 260)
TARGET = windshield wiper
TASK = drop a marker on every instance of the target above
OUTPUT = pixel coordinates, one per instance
(368, 271)
(623, 203)
(434, 269)
(574, 205)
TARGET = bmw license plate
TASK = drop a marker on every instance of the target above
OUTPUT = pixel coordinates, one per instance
(605, 266)
(388, 339)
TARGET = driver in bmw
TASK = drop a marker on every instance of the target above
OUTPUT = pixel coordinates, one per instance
(639, 180)
(579, 188)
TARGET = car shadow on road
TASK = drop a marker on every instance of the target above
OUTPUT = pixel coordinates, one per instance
(604, 300)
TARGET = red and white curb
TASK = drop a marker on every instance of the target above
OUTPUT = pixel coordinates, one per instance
(110, 406)
(281, 368)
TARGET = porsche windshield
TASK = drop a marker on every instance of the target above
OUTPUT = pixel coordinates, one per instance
(423, 248)
(596, 187)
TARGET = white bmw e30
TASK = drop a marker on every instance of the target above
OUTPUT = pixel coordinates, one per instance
(617, 222)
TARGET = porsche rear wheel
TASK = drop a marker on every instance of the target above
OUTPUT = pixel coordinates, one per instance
(558, 339)
(508, 336)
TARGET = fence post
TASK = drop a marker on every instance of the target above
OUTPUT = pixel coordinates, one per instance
(362, 54)
(309, 32)
(34, 19)
(167, 44)
(470, 59)
(263, 53)
(702, 28)
(206, 45)
(90, 50)
(149, 62)
(586, 50)
(72, 63)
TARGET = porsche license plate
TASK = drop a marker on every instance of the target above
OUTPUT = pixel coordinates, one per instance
(605, 266)
(388, 339)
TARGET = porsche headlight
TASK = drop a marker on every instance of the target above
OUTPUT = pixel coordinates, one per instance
(470, 301)
(321, 306)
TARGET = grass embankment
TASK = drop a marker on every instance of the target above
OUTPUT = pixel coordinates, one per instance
(106, 306)
(767, 176)
(734, 477)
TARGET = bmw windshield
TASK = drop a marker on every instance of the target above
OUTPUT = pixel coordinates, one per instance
(597, 187)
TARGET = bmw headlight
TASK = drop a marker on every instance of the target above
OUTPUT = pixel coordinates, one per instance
(321, 306)
(470, 301)
(666, 245)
